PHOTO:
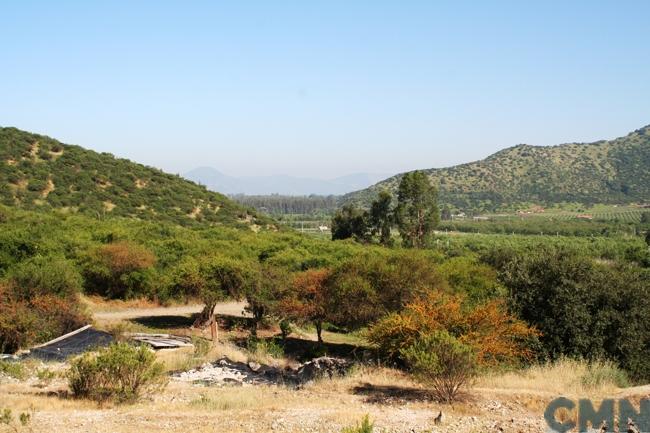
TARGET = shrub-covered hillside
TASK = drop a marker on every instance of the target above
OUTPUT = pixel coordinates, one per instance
(613, 171)
(38, 172)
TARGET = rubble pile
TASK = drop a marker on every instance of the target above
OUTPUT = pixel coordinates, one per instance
(226, 372)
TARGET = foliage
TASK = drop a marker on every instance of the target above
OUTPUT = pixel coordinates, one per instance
(7, 419)
(308, 300)
(381, 217)
(34, 317)
(39, 276)
(260, 349)
(350, 222)
(120, 372)
(263, 291)
(416, 213)
(119, 270)
(365, 426)
(13, 369)
(495, 336)
(442, 362)
(583, 309)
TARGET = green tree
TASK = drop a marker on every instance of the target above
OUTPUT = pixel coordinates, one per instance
(417, 209)
(350, 222)
(264, 291)
(381, 217)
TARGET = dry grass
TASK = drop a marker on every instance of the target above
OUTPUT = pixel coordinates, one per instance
(565, 376)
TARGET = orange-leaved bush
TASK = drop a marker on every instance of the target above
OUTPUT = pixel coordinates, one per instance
(494, 335)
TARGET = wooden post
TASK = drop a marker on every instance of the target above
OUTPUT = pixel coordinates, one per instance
(214, 332)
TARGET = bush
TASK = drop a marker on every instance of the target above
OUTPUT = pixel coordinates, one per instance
(365, 426)
(441, 362)
(120, 372)
(45, 276)
(120, 270)
(36, 320)
(496, 336)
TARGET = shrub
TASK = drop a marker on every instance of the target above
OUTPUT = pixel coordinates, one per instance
(259, 350)
(120, 270)
(120, 372)
(440, 361)
(13, 369)
(36, 320)
(365, 426)
(494, 335)
(44, 276)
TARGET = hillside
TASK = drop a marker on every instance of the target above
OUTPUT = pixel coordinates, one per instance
(615, 171)
(40, 173)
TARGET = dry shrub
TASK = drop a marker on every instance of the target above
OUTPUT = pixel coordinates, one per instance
(125, 257)
(27, 322)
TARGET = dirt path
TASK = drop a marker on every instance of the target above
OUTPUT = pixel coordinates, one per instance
(226, 308)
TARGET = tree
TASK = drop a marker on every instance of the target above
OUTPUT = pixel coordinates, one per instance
(647, 238)
(417, 210)
(350, 222)
(212, 279)
(308, 300)
(381, 217)
(264, 291)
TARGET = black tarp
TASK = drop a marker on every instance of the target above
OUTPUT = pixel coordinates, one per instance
(74, 343)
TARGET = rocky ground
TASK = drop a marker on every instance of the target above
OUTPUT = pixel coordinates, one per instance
(227, 396)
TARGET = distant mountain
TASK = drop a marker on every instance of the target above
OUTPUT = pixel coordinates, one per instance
(281, 184)
(40, 173)
(616, 171)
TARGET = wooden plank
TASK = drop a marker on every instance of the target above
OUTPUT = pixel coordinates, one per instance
(63, 337)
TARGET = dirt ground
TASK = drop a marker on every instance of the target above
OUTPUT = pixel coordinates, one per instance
(392, 400)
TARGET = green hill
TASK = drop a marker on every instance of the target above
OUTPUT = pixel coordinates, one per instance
(40, 173)
(616, 171)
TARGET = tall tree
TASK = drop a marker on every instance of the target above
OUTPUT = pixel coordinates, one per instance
(417, 209)
(381, 217)
(350, 222)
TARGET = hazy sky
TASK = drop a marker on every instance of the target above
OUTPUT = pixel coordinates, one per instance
(323, 88)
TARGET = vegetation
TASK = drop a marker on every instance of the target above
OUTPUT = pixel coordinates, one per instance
(120, 372)
(416, 213)
(365, 426)
(38, 172)
(442, 362)
(603, 172)
(490, 300)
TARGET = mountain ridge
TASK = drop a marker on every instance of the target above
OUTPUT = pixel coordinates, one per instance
(605, 171)
(281, 184)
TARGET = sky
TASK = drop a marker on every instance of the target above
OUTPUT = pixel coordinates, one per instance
(323, 88)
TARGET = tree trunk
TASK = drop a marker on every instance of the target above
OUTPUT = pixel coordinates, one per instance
(319, 332)
(204, 316)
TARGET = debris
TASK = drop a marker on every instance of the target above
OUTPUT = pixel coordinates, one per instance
(161, 341)
(225, 371)
(73, 343)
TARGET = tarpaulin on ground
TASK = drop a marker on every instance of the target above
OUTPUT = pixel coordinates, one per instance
(74, 343)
